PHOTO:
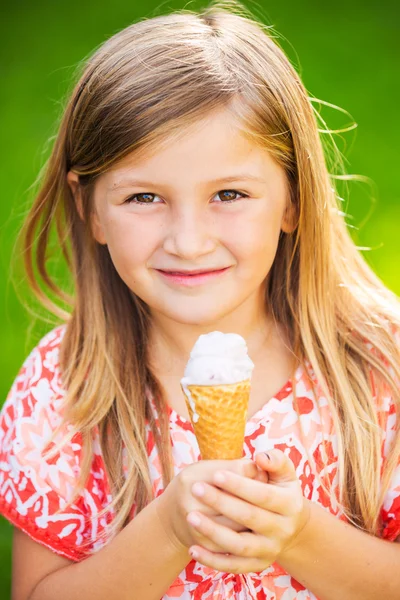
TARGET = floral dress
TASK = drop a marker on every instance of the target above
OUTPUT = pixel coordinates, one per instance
(33, 490)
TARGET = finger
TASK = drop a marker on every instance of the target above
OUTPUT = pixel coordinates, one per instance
(245, 467)
(227, 563)
(246, 544)
(199, 538)
(252, 517)
(279, 466)
(264, 495)
(262, 475)
(242, 466)
(221, 520)
(204, 542)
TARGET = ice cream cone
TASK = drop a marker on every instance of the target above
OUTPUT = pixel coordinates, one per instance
(220, 418)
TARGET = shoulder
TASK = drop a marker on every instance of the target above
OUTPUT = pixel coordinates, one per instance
(388, 401)
(38, 377)
(42, 362)
(36, 387)
(32, 411)
(34, 489)
(388, 358)
(384, 379)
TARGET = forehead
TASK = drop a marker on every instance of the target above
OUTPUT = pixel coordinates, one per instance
(212, 149)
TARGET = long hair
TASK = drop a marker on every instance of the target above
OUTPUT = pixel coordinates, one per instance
(146, 83)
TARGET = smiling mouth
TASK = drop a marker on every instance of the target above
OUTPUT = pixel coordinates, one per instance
(191, 278)
(192, 273)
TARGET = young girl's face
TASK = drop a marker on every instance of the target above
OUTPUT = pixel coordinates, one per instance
(176, 217)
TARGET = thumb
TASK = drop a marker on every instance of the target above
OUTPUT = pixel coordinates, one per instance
(279, 467)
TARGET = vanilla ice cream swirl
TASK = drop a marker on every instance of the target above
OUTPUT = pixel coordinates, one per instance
(216, 359)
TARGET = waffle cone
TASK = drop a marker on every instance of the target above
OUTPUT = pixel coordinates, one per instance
(222, 411)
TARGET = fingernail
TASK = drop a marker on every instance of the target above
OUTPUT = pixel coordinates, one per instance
(267, 455)
(219, 477)
(193, 519)
(193, 554)
(198, 489)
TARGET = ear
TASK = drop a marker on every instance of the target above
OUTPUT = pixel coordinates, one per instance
(73, 182)
(97, 230)
(289, 219)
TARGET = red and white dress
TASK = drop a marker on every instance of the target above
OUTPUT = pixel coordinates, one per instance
(33, 490)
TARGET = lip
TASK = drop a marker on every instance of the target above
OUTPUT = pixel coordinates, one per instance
(191, 278)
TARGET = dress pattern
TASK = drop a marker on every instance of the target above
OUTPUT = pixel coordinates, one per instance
(34, 491)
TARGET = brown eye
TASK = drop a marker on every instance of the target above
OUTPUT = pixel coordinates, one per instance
(229, 196)
(144, 198)
(147, 198)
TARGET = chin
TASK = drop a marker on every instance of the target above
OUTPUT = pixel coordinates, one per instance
(200, 316)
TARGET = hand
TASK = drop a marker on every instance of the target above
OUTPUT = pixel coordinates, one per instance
(177, 501)
(274, 512)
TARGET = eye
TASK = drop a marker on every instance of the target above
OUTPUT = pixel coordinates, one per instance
(226, 198)
(147, 198)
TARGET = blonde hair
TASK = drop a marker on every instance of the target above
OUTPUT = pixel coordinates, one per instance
(142, 85)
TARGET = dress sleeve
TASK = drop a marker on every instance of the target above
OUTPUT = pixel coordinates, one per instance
(390, 511)
(34, 492)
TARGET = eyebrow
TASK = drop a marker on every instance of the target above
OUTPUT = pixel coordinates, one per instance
(125, 183)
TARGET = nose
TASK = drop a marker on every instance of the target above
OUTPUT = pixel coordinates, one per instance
(190, 234)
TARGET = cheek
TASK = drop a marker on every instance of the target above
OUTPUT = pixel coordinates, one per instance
(130, 241)
(255, 236)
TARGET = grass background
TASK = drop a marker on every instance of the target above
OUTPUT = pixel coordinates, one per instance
(347, 54)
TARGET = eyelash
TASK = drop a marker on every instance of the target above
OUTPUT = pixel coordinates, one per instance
(131, 199)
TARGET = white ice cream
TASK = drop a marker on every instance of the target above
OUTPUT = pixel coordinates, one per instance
(216, 358)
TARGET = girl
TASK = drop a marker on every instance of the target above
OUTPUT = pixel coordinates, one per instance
(189, 146)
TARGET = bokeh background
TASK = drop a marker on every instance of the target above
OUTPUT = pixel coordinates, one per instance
(347, 53)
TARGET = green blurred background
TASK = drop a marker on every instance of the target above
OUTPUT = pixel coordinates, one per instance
(347, 54)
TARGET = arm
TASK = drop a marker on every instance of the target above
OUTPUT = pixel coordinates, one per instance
(335, 560)
(145, 558)
(141, 562)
